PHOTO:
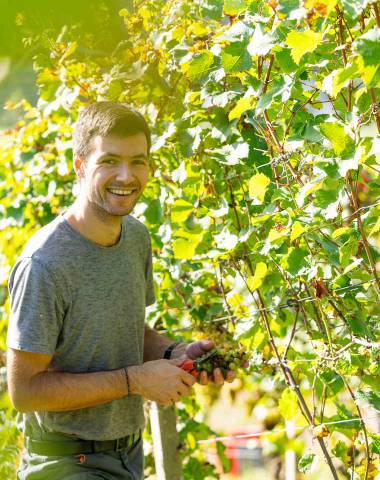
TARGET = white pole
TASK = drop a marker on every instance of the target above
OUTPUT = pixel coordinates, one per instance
(290, 455)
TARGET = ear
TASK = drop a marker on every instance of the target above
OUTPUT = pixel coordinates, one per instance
(79, 167)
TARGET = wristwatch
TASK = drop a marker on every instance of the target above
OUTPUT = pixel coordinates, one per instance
(169, 350)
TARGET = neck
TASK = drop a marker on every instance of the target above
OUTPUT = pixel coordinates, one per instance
(93, 223)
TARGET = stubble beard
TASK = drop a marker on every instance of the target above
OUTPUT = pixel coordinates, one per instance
(104, 210)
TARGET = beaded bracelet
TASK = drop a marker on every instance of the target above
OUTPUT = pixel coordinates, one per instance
(127, 378)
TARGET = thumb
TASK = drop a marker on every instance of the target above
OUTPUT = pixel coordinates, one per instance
(197, 349)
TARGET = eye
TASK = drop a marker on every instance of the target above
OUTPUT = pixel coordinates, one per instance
(140, 161)
(109, 161)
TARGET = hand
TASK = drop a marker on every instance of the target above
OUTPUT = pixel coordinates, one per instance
(197, 349)
(162, 381)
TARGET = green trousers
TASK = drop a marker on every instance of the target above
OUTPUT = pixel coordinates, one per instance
(126, 464)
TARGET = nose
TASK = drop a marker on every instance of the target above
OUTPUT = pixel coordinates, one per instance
(124, 172)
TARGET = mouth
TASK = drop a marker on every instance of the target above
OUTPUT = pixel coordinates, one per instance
(122, 192)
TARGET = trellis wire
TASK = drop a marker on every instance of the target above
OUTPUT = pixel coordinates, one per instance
(291, 302)
(308, 231)
(323, 225)
(282, 430)
(326, 224)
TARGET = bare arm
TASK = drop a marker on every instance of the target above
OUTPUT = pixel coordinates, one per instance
(154, 344)
(32, 387)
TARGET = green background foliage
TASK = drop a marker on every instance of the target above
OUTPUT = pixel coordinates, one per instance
(265, 187)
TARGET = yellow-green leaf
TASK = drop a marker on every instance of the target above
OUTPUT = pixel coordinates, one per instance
(258, 185)
(275, 234)
(256, 280)
(297, 230)
(191, 441)
(376, 227)
(323, 7)
(124, 12)
(302, 42)
(180, 210)
(337, 136)
(166, 282)
(342, 76)
(340, 231)
(184, 248)
(69, 51)
(288, 404)
(242, 105)
(234, 7)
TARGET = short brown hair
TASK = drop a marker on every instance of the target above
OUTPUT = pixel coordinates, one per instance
(106, 118)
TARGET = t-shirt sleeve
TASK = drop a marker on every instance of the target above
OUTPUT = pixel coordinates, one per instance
(37, 309)
(150, 297)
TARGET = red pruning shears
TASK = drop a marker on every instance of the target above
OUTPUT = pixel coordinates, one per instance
(194, 367)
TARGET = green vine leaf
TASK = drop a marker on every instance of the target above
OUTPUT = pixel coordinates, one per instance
(367, 45)
(234, 7)
(307, 463)
(199, 65)
(235, 58)
(369, 398)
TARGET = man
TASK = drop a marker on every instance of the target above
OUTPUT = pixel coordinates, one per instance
(80, 357)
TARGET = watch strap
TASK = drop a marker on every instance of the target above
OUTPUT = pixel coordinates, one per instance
(169, 350)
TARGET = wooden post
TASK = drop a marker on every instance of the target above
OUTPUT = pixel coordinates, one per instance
(165, 442)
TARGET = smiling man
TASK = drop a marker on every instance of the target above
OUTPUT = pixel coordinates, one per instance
(80, 357)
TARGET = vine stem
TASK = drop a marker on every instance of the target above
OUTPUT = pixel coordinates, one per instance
(355, 205)
(375, 108)
(290, 380)
(375, 105)
(327, 329)
(377, 15)
(220, 279)
(292, 333)
(270, 128)
(364, 429)
(344, 53)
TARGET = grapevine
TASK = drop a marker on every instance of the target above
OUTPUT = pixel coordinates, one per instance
(263, 204)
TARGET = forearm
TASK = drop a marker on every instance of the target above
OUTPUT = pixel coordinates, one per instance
(53, 391)
(154, 344)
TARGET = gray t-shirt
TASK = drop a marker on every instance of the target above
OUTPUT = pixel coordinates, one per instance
(85, 304)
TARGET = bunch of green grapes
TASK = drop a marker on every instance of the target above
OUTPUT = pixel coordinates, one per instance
(223, 358)
(228, 353)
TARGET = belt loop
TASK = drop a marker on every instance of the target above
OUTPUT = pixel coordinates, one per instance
(117, 445)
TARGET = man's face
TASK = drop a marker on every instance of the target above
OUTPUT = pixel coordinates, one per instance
(115, 173)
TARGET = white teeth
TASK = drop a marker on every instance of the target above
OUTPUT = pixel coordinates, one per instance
(121, 192)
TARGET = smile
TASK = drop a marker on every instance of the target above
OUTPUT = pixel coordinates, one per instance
(121, 192)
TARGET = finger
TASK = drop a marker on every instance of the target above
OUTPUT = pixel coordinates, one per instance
(218, 377)
(203, 379)
(197, 349)
(245, 365)
(230, 377)
(188, 379)
(184, 391)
